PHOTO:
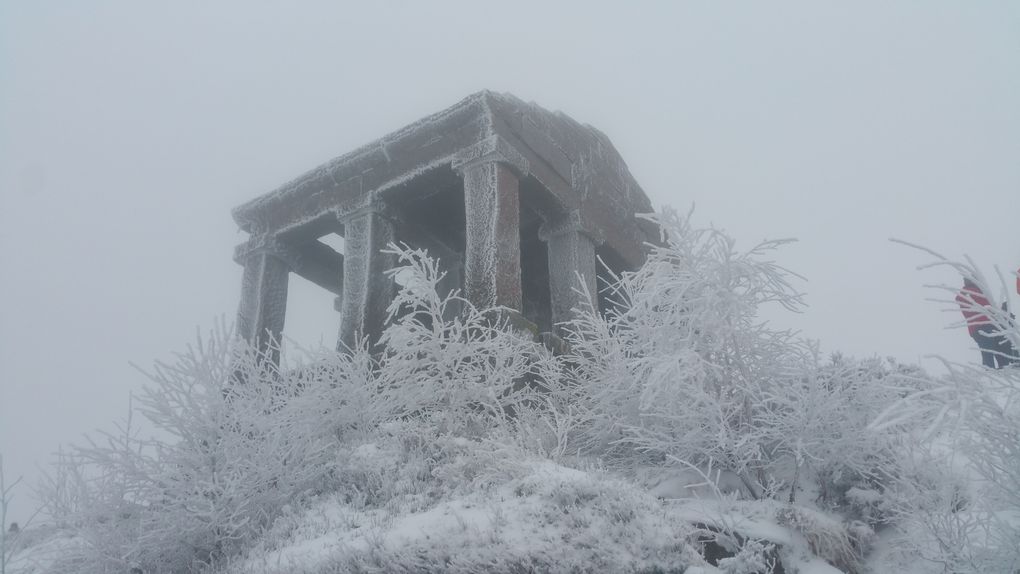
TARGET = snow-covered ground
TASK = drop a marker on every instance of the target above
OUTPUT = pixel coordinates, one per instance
(472, 506)
(679, 435)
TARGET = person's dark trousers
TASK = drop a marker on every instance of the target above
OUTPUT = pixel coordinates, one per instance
(996, 350)
(1012, 357)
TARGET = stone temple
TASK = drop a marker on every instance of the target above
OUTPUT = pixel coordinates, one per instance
(516, 202)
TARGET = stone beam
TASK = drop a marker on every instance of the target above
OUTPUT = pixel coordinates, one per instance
(492, 260)
(321, 265)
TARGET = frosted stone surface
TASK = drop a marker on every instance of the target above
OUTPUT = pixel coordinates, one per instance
(571, 269)
(367, 291)
(492, 260)
(576, 165)
(504, 155)
(263, 306)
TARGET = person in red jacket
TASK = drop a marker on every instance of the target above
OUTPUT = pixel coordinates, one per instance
(996, 350)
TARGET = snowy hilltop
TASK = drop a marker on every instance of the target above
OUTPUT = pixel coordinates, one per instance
(675, 432)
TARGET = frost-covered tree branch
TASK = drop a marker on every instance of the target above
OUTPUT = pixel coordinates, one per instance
(972, 421)
(6, 492)
(685, 369)
(679, 372)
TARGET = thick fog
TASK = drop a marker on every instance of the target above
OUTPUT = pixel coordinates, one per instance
(129, 130)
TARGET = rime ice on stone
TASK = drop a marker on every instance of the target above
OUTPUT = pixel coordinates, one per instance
(491, 170)
(572, 263)
(263, 306)
(514, 200)
(367, 290)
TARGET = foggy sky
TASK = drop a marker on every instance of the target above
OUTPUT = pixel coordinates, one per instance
(128, 130)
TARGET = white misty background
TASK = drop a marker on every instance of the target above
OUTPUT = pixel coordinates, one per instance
(130, 131)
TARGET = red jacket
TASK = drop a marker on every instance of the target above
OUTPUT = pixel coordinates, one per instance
(969, 298)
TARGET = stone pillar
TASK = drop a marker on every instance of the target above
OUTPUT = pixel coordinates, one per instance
(492, 259)
(367, 290)
(572, 265)
(263, 307)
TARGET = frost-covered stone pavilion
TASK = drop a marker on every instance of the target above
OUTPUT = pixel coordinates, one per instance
(515, 201)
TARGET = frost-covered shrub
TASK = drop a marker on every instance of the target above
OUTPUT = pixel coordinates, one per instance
(840, 544)
(684, 370)
(679, 368)
(680, 374)
(412, 464)
(837, 442)
(473, 372)
(227, 453)
(10, 539)
(486, 507)
(956, 498)
(238, 439)
(337, 394)
(753, 557)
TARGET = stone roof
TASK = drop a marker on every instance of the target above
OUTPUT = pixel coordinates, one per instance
(583, 173)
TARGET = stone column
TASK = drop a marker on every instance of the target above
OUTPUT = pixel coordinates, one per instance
(367, 290)
(572, 265)
(263, 306)
(492, 259)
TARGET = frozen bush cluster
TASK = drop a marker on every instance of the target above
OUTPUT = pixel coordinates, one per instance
(224, 459)
(684, 370)
(457, 417)
(956, 492)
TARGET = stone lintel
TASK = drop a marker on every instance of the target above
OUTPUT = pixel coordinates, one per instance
(572, 222)
(359, 207)
(322, 265)
(313, 261)
(492, 149)
(260, 244)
